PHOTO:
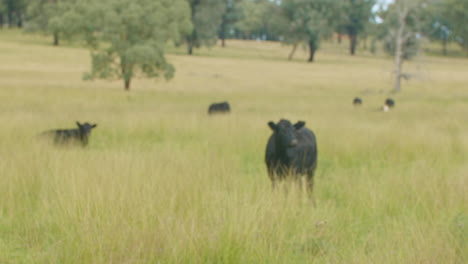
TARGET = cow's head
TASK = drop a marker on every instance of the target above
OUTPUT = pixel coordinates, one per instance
(85, 131)
(285, 132)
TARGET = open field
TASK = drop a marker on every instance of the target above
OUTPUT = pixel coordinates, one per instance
(161, 182)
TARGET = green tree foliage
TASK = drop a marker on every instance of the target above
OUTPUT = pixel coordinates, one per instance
(260, 20)
(436, 25)
(457, 15)
(355, 16)
(14, 11)
(232, 14)
(52, 17)
(307, 21)
(2, 13)
(206, 19)
(128, 37)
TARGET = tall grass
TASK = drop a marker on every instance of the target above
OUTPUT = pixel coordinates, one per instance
(161, 182)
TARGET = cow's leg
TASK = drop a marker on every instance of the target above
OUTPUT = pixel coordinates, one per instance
(310, 186)
(274, 177)
(299, 182)
(273, 184)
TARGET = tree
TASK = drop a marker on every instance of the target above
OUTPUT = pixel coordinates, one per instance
(128, 38)
(356, 15)
(206, 18)
(231, 15)
(401, 40)
(14, 10)
(2, 12)
(52, 17)
(456, 13)
(436, 23)
(306, 21)
(259, 20)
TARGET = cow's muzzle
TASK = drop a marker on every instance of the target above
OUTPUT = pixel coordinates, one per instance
(293, 143)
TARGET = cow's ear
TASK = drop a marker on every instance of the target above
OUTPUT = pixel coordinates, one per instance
(78, 124)
(299, 124)
(272, 125)
(93, 126)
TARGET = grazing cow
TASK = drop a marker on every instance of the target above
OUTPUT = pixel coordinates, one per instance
(390, 102)
(357, 101)
(67, 136)
(219, 108)
(291, 151)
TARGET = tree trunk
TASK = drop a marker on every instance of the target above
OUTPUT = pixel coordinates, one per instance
(352, 43)
(190, 42)
(339, 38)
(398, 64)
(20, 21)
(223, 32)
(126, 70)
(10, 19)
(399, 53)
(189, 48)
(56, 38)
(312, 49)
(444, 47)
(127, 84)
(292, 51)
(1, 20)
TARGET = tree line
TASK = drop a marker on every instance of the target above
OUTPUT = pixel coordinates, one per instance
(128, 38)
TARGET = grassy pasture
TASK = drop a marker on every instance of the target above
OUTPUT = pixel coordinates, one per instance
(161, 182)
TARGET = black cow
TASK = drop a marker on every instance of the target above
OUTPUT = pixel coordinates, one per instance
(390, 102)
(219, 108)
(291, 151)
(357, 101)
(67, 136)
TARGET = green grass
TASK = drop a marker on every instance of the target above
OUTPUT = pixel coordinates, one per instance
(161, 182)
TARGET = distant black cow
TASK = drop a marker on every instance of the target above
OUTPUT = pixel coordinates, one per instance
(389, 102)
(357, 101)
(219, 108)
(291, 151)
(68, 136)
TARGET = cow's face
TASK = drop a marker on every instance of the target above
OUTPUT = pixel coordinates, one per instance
(285, 132)
(85, 130)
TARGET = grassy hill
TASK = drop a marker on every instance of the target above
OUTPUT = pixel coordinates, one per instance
(162, 182)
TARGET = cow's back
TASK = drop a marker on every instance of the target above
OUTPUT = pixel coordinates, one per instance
(304, 155)
(219, 108)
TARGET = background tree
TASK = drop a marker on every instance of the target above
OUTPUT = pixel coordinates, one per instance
(402, 25)
(258, 22)
(355, 16)
(128, 38)
(306, 21)
(206, 19)
(52, 17)
(14, 10)
(436, 26)
(2, 13)
(232, 14)
(457, 15)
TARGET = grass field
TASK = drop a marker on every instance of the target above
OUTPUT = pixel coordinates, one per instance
(161, 182)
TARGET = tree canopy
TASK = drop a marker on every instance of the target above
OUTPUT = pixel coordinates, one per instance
(457, 16)
(206, 18)
(233, 12)
(52, 17)
(307, 21)
(128, 38)
(354, 17)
